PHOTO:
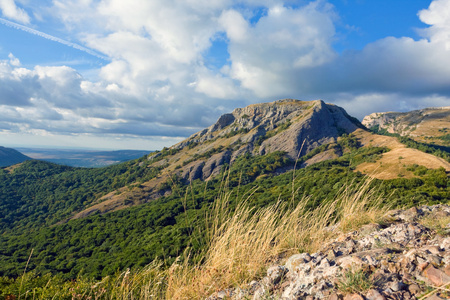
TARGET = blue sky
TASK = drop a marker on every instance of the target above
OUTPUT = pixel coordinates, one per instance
(145, 74)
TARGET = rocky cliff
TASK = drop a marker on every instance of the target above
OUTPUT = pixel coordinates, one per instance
(292, 126)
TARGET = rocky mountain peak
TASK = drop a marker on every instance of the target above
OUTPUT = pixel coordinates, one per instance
(265, 117)
(292, 126)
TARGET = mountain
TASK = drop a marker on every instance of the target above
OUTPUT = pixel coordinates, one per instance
(429, 125)
(96, 222)
(290, 126)
(293, 127)
(9, 156)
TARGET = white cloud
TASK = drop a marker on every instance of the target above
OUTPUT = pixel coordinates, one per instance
(10, 10)
(216, 86)
(235, 25)
(367, 103)
(438, 17)
(283, 41)
(157, 82)
(14, 61)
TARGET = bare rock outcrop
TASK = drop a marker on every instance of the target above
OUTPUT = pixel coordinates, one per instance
(405, 259)
(214, 163)
(285, 125)
(324, 125)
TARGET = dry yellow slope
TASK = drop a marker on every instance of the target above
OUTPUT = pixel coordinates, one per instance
(394, 163)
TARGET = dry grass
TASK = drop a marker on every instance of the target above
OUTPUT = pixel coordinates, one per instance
(246, 242)
(438, 224)
(395, 162)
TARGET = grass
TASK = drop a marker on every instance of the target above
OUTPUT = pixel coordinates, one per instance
(243, 242)
(354, 281)
(437, 224)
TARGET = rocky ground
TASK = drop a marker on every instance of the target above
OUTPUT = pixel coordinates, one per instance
(408, 257)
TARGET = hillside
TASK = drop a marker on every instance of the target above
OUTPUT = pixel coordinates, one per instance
(291, 126)
(9, 157)
(95, 222)
(429, 125)
(399, 161)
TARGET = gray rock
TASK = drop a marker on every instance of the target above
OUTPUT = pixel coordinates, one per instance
(296, 260)
(276, 273)
(213, 164)
(373, 294)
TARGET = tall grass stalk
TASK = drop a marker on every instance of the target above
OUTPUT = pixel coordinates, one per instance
(247, 241)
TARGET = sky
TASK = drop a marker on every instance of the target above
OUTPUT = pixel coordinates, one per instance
(145, 74)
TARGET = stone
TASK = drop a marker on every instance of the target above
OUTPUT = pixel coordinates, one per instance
(222, 295)
(368, 229)
(433, 250)
(397, 286)
(331, 254)
(347, 262)
(422, 266)
(414, 289)
(373, 294)
(435, 297)
(334, 296)
(276, 273)
(447, 270)
(296, 260)
(436, 276)
(353, 297)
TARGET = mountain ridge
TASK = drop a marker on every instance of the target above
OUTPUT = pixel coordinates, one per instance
(290, 126)
(428, 125)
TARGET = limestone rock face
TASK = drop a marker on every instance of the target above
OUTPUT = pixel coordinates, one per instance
(314, 121)
(292, 126)
(213, 164)
(323, 125)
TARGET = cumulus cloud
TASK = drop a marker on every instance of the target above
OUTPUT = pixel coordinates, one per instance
(283, 41)
(10, 10)
(438, 17)
(156, 81)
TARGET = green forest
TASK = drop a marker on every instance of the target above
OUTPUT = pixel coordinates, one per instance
(37, 195)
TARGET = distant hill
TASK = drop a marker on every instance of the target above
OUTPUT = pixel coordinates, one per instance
(9, 156)
(429, 125)
(83, 158)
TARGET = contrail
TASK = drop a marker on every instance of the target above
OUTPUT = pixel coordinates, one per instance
(51, 38)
